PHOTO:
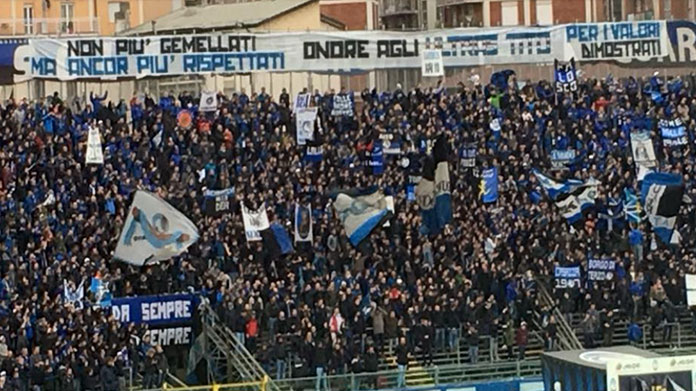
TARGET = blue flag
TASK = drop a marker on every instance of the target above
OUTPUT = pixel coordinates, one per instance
(377, 158)
(314, 154)
(488, 189)
(282, 238)
(433, 191)
(573, 197)
(661, 195)
(500, 79)
(361, 211)
(631, 206)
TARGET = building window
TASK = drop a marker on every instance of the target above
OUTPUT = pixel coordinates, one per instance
(668, 9)
(544, 12)
(67, 14)
(509, 11)
(28, 20)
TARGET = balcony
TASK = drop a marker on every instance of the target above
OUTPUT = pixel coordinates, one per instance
(49, 27)
(447, 3)
(399, 7)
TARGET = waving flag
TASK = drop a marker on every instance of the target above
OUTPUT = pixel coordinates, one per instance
(154, 231)
(488, 189)
(254, 221)
(361, 211)
(500, 79)
(433, 191)
(631, 206)
(573, 197)
(662, 194)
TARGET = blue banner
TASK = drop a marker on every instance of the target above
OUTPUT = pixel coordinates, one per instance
(560, 158)
(489, 185)
(673, 132)
(169, 317)
(154, 310)
(314, 154)
(467, 155)
(377, 158)
(601, 269)
(567, 277)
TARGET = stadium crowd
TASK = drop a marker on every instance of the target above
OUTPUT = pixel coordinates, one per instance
(329, 306)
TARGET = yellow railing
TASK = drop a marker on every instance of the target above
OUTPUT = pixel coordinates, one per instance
(245, 386)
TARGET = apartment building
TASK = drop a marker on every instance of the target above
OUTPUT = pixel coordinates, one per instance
(79, 17)
(424, 14)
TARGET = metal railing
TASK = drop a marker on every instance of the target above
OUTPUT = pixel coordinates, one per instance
(49, 26)
(246, 386)
(418, 376)
(224, 346)
(567, 338)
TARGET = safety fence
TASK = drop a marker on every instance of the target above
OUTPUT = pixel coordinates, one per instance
(415, 377)
(244, 386)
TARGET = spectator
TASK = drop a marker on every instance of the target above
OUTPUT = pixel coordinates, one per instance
(550, 333)
(521, 339)
(472, 340)
(607, 327)
(402, 358)
(280, 357)
(107, 374)
(320, 360)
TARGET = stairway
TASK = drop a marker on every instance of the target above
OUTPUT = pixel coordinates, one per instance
(228, 360)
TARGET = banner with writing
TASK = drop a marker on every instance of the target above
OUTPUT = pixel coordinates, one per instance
(601, 269)
(468, 155)
(673, 132)
(621, 41)
(169, 317)
(110, 58)
(218, 202)
(432, 64)
(567, 277)
(565, 76)
(342, 105)
(560, 158)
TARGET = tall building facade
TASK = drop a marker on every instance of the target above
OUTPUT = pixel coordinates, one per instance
(79, 17)
(429, 14)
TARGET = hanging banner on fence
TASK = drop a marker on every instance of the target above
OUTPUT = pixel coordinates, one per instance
(95, 154)
(432, 64)
(169, 317)
(565, 76)
(110, 58)
(217, 202)
(342, 105)
(560, 158)
(254, 221)
(567, 277)
(304, 122)
(673, 132)
(642, 148)
(621, 41)
(601, 269)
